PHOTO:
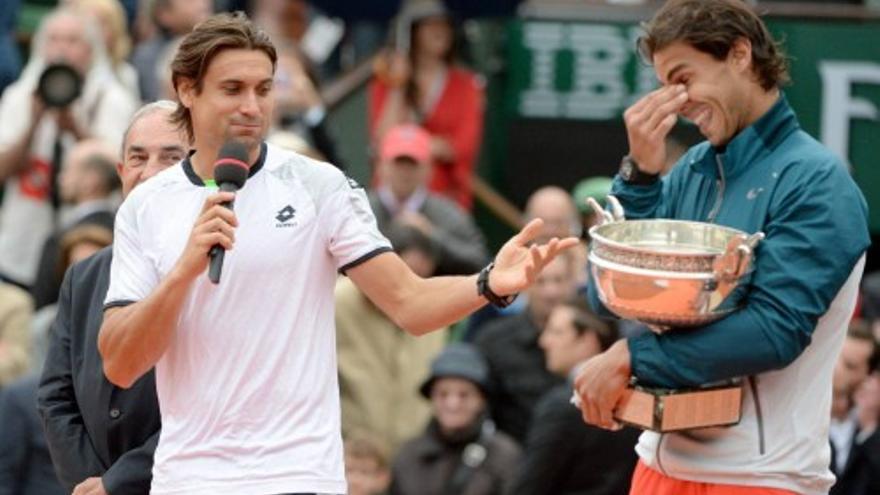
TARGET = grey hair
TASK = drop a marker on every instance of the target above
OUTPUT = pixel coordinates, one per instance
(91, 31)
(148, 109)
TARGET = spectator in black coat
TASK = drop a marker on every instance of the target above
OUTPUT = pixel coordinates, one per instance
(564, 455)
(510, 344)
(460, 451)
(858, 467)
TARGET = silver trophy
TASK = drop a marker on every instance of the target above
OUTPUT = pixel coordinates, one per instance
(671, 274)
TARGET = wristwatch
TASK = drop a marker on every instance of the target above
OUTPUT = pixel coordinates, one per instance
(632, 174)
(484, 290)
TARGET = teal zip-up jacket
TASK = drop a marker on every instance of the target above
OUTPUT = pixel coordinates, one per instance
(771, 177)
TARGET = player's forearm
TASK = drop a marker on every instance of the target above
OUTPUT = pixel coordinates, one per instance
(133, 338)
(437, 302)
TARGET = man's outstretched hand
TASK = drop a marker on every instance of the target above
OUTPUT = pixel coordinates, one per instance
(519, 262)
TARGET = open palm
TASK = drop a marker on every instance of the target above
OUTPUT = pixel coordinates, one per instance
(518, 263)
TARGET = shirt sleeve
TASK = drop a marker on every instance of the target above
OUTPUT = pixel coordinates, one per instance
(132, 274)
(351, 231)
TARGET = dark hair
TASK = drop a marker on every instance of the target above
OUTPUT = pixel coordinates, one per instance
(713, 26)
(363, 445)
(217, 33)
(95, 234)
(105, 169)
(411, 90)
(586, 320)
(860, 330)
(405, 237)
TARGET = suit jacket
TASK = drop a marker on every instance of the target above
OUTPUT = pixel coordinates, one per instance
(565, 456)
(94, 428)
(48, 281)
(459, 244)
(25, 466)
(861, 475)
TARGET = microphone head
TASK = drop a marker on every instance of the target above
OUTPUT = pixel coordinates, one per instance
(231, 166)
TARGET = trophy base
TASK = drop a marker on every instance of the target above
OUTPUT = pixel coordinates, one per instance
(665, 410)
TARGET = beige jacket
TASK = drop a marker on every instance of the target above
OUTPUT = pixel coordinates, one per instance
(16, 309)
(381, 368)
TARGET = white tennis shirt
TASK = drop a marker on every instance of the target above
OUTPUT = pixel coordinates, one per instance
(248, 386)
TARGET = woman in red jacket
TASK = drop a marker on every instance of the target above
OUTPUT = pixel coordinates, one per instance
(428, 88)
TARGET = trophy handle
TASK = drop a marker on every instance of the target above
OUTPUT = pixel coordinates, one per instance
(746, 252)
(736, 260)
(615, 215)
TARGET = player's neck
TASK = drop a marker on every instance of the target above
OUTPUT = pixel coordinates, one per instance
(763, 102)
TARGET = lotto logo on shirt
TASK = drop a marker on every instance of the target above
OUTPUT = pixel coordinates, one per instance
(285, 217)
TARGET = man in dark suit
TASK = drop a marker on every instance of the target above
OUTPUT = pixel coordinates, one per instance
(101, 437)
(564, 455)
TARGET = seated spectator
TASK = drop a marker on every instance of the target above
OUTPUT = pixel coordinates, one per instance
(516, 364)
(367, 469)
(425, 86)
(86, 185)
(34, 138)
(25, 465)
(861, 475)
(860, 354)
(403, 197)
(16, 310)
(562, 453)
(380, 365)
(75, 245)
(460, 452)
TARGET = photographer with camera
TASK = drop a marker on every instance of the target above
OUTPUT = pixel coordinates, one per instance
(66, 93)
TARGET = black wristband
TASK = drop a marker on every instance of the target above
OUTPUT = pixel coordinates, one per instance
(484, 290)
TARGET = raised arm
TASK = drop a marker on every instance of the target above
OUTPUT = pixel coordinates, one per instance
(421, 305)
(135, 335)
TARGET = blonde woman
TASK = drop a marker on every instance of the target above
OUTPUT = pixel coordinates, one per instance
(111, 18)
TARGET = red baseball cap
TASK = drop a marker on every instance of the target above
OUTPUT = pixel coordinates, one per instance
(406, 140)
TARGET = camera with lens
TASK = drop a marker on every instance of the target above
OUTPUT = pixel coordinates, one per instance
(59, 85)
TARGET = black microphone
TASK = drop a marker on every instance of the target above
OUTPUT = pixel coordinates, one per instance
(230, 173)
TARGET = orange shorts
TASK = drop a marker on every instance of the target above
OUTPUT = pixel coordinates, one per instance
(646, 481)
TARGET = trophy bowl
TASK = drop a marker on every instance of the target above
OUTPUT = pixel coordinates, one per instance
(668, 273)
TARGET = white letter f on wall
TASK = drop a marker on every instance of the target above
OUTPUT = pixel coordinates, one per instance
(839, 106)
